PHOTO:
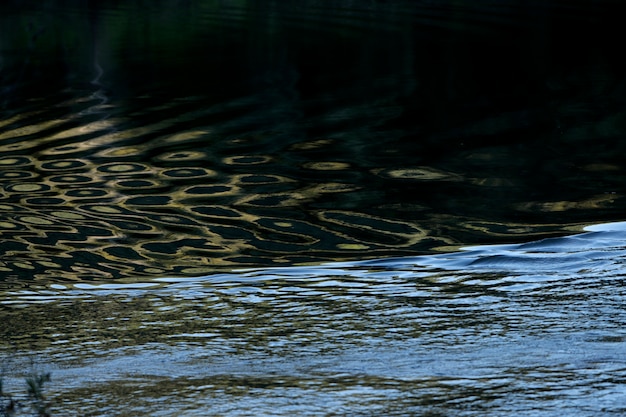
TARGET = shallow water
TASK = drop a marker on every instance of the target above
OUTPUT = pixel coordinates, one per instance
(528, 329)
(313, 208)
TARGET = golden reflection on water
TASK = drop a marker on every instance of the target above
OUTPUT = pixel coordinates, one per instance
(95, 201)
(109, 199)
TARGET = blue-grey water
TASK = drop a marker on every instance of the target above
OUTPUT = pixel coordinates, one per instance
(531, 329)
(312, 208)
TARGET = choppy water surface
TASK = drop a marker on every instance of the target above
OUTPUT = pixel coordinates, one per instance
(226, 208)
(530, 329)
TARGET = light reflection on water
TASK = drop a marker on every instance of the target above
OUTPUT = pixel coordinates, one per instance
(299, 134)
(305, 135)
(404, 336)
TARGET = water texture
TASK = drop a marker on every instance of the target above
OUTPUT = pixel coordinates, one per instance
(487, 331)
(176, 139)
(314, 208)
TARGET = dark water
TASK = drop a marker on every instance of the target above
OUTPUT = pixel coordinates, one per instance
(345, 151)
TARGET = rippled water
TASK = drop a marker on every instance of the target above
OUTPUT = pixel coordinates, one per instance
(529, 329)
(178, 139)
(313, 208)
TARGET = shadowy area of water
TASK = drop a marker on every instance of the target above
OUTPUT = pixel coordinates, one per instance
(179, 137)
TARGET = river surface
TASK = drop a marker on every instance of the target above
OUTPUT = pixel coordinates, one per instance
(529, 329)
(319, 208)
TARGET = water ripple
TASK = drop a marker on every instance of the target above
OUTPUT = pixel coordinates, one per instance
(441, 332)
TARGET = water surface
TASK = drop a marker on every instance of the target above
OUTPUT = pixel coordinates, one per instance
(183, 137)
(529, 329)
(252, 208)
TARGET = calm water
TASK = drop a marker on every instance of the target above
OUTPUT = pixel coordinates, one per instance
(313, 208)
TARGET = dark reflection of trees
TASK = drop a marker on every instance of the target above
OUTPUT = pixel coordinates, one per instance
(519, 54)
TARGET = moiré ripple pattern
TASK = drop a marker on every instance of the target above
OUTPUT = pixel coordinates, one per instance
(92, 191)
